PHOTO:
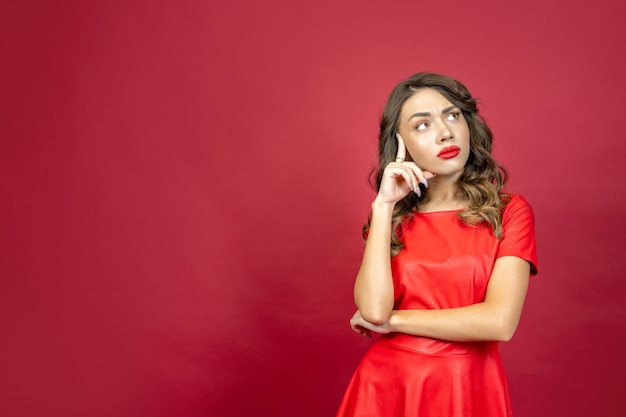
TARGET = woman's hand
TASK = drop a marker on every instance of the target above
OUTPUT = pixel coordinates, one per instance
(401, 177)
(365, 328)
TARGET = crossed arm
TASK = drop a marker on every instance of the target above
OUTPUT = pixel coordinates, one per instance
(496, 318)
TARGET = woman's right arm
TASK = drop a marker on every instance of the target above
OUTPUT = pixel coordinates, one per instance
(373, 289)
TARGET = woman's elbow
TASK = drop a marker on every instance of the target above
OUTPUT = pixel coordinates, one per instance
(504, 336)
(377, 316)
(505, 330)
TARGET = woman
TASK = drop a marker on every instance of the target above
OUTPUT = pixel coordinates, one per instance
(446, 265)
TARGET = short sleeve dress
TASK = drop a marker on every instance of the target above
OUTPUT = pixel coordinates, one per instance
(444, 264)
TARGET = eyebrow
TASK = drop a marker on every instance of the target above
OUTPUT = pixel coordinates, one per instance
(444, 111)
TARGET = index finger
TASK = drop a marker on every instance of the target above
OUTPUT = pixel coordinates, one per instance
(401, 155)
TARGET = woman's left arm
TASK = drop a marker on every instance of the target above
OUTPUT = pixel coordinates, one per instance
(494, 319)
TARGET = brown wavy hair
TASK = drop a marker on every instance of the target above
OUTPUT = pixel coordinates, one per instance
(483, 177)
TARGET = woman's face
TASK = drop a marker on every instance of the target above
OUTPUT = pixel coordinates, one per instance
(435, 133)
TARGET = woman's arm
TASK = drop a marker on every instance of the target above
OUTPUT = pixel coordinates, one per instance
(496, 318)
(373, 288)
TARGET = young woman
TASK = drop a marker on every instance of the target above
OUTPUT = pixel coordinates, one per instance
(446, 265)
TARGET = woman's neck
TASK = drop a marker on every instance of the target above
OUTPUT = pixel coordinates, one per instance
(444, 194)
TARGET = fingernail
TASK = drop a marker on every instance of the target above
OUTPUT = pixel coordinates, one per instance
(425, 182)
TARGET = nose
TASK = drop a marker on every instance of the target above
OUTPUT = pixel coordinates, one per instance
(445, 133)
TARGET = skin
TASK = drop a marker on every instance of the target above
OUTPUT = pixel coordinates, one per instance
(430, 123)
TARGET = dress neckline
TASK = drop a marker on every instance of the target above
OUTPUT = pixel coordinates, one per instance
(440, 211)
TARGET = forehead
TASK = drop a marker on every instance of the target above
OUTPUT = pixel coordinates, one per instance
(425, 100)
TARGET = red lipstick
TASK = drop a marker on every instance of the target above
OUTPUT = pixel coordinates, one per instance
(449, 152)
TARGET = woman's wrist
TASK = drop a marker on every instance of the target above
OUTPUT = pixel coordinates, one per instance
(393, 323)
(383, 206)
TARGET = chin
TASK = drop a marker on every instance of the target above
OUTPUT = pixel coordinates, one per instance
(447, 173)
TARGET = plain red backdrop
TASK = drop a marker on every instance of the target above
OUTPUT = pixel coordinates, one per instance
(183, 187)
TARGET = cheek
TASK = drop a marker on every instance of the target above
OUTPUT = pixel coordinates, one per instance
(466, 157)
(417, 150)
(417, 153)
(465, 133)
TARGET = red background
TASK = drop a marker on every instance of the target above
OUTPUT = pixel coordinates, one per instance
(183, 186)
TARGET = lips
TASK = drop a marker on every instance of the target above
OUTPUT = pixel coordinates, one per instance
(449, 152)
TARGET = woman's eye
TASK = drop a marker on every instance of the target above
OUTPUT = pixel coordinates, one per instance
(422, 126)
(454, 115)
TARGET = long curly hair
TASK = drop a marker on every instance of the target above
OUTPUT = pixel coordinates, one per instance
(483, 177)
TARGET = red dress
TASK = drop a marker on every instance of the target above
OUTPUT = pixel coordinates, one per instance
(444, 264)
